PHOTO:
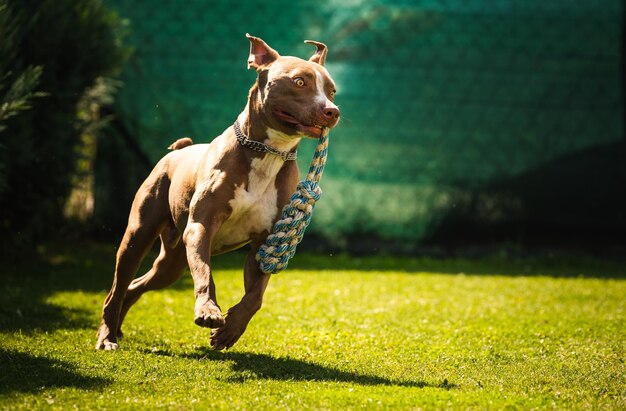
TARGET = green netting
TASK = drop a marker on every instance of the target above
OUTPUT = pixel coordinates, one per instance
(456, 115)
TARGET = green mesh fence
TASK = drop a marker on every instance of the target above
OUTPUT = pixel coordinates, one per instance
(493, 118)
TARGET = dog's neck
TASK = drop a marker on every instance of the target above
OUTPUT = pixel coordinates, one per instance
(255, 125)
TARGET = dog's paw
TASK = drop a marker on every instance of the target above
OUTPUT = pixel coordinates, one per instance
(106, 345)
(226, 336)
(106, 341)
(209, 316)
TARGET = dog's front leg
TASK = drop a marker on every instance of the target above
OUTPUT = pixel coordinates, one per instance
(201, 228)
(238, 317)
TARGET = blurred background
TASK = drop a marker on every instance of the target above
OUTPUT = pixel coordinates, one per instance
(464, 123)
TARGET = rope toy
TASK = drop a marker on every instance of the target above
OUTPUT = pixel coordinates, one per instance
(280, 245)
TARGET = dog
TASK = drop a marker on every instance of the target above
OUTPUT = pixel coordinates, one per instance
(202, 200)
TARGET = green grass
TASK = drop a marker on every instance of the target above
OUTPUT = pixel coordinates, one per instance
(335, 332)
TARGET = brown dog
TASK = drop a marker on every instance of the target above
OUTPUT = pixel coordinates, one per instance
(207, 199)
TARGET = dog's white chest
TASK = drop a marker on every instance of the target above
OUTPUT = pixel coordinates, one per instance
(254, 205)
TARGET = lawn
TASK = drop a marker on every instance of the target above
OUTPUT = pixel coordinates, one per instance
(335, 332)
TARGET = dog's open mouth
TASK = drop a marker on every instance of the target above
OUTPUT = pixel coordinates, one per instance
(315, 131)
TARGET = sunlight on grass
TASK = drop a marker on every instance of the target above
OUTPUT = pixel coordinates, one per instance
(328, 339)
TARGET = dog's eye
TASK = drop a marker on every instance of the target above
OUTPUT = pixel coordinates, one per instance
(299, 81)
(332, 94)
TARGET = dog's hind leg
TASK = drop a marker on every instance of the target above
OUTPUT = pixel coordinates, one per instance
(166, 269)
(133, 248)
(148, 217)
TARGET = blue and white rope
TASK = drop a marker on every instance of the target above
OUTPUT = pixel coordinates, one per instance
(280, 245)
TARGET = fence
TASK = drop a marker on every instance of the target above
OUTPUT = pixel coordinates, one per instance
(485, 119)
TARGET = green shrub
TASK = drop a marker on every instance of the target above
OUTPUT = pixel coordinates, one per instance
(74, 42)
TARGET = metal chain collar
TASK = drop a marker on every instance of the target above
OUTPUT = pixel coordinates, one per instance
(261, 147)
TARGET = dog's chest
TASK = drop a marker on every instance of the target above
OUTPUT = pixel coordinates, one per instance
(254, 205)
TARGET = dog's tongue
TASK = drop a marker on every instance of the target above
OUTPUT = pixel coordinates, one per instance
(310, 130)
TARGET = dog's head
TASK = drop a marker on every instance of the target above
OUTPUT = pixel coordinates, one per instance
(297, 95)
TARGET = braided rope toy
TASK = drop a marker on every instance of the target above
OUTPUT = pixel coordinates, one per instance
(280, 245)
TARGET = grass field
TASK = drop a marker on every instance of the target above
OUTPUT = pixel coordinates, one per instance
(335, 332)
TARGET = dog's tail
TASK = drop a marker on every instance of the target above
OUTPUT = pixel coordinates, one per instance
(181, 143)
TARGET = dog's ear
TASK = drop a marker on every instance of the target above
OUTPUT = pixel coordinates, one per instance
(260, 53)
(320, 54)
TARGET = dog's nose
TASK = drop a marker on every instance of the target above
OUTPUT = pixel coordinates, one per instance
(331, 112)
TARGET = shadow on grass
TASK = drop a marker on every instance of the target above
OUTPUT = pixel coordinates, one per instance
(497, 262)
(39, 315)
(263, 366)
(27, 284)
(25, 373)
(556, 265)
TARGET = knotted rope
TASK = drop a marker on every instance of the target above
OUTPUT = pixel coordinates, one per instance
(280, 245)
